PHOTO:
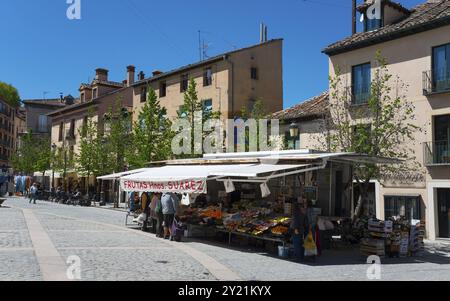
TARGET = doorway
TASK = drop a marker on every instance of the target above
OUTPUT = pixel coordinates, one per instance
(444, 212)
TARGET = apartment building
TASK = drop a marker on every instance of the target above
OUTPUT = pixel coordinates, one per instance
(36, 113)
(97, 98)
(225, 83)
(7, 133)
(416, 44)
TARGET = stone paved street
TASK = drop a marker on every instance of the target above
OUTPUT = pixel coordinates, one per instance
(110, 251)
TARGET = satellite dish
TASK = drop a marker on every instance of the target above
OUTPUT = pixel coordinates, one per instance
(362, 18)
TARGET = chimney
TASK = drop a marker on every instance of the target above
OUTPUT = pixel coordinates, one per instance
(130, 75)
(353, 17)
(101, 74)
(141, 75)
(157, 72)
(262, 33)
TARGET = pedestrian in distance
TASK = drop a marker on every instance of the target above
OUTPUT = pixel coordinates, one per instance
(33, 193)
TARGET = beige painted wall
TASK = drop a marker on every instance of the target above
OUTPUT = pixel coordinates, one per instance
(408, 57)
(232, 86)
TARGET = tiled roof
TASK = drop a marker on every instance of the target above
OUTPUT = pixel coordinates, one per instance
(426, 16)
(313, 107)
(45, 102)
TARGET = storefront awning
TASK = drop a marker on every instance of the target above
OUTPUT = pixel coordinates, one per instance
(116, 176)
(256, 170)
(174, 178)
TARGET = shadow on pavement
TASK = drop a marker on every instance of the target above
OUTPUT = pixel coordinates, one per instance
(349, 255)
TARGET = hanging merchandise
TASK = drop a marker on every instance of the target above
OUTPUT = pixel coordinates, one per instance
(186, 199)
(229, 186)
(265, 191)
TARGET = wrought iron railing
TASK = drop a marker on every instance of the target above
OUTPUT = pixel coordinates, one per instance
(435, 81)
(359, 96)
(437, 153)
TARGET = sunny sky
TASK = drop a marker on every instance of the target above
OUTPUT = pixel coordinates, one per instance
(41, 51)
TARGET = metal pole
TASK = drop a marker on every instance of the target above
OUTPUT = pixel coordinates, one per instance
(331, 186)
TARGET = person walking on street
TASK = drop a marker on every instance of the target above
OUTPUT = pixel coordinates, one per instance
(169, 203)
(33, 193)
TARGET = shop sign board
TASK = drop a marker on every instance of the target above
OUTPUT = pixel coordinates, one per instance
(180, 186)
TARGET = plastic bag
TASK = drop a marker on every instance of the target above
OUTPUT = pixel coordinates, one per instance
(310, 246)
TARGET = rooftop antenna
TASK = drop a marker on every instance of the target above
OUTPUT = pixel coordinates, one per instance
(200, 45)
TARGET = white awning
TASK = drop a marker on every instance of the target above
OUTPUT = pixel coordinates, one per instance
(116, 176)
(48, 173)
(173, 178)
(256, 170)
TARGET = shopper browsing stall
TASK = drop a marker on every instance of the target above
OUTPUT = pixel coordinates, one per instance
(170, 206)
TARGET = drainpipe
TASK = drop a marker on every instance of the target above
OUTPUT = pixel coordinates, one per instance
(353, 17)
(232, 85)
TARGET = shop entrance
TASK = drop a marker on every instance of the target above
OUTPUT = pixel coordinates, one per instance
(444, 212)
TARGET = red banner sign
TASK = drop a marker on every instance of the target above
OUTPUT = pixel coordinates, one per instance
(184, 186)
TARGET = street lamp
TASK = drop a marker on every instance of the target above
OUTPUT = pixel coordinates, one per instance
(294, 132)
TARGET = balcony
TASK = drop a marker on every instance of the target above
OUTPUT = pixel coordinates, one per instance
(436, 81)
(437, 153)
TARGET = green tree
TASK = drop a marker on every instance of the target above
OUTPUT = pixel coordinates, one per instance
(33, 154)
(257, 113)
(190, 110)
(384, 127)
(117, 138)
(9, 94)
(43, 154)
(24, 158)
(151, 134)
(89, 153)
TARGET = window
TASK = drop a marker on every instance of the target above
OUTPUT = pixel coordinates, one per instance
(207, 106)
(94, 93)
(254, 73)
(372, 24)
(441, 143)
(207, 77)
(43, 124)
(441, 68)
(184, 83)
(72, 129)
(83, 98)
(162, 89)
(143, 94)
(406, 206)
(84, 128)
(361, 83)
(61, 130)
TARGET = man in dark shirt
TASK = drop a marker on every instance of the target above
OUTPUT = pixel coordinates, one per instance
(299, 227)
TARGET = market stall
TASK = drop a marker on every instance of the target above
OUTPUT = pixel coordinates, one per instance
(115, 184)
(251, 194)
